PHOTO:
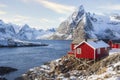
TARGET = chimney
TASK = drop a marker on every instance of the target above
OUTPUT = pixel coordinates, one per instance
(85, 36)
(86, 39)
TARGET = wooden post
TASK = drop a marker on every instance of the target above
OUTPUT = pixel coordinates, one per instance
(94, 56)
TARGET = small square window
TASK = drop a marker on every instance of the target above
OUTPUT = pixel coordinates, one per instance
(98, 51)
(78, 50)
(106, 48)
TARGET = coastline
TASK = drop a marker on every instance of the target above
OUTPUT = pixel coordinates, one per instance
(67, 68)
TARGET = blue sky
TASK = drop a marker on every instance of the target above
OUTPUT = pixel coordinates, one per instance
(44, 14)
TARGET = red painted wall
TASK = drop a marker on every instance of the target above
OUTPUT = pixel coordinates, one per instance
(114, 45)
(117, 45)
(72, 46)
(103, 52)
(71, 49)
(110, 43)
(86, 51)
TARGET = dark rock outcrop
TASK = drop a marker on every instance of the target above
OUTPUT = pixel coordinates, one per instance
(6, 70)
(2, 78)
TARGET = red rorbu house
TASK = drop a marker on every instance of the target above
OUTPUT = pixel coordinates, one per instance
(90, 49)
(114, 43)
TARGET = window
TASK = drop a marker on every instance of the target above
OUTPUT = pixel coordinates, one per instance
(119, 46)
(78, 50)
(106, 48)
(98, 50)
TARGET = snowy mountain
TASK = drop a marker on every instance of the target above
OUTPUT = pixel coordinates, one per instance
(27, 33)
(82, 24)
(12, 31)
(6, 30)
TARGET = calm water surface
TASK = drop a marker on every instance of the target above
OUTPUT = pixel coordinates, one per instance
(24, 58)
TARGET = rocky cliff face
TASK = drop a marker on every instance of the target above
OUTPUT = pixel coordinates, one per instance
(82, 24)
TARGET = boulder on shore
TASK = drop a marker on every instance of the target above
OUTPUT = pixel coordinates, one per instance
(6, 70)
(2, 78)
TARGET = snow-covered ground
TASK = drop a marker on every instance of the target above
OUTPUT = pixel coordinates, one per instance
(113, 51)
(109, 74)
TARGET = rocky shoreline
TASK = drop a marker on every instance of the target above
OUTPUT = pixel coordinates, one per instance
(70, 68)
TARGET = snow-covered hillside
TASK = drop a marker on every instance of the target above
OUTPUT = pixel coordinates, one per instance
(12, 31)
(83, 24)
(6, 30)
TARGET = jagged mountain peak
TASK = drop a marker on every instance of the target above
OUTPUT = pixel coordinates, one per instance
(1, 22)
(72, 21)
(115, 17)
(51, 30)
(26, 26)
(77, 14)
(82, 24)
(81, 8)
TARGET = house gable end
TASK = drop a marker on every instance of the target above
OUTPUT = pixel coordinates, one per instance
(85, 43)
(94, 45)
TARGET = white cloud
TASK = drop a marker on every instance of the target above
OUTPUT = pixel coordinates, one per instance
(17, 19)
(33, 22)
(111, 7)
(61, 19)
(45, 20)
(2, 5)
(59, 8)
(26, 1)
(100, 13)
(3, 12)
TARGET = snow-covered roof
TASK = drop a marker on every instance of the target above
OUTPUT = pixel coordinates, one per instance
(95, 44)
(98, 44)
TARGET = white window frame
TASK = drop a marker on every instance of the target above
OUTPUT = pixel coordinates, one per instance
(106, 48)
(98, 50)
(78, 50)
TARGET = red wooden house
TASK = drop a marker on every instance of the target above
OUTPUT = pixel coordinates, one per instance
(90, 49)
(114, 43)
